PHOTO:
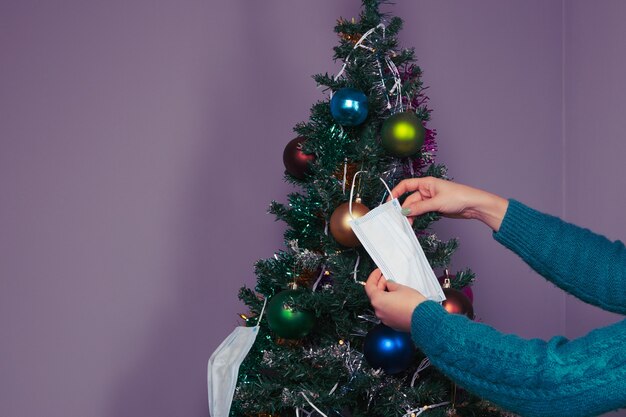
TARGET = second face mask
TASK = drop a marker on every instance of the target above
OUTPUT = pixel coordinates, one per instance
(389, 239)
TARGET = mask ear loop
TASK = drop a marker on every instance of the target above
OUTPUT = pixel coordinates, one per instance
(386, 186)
(356, 265)
(258, 323)
(352, 190)
(352, 193)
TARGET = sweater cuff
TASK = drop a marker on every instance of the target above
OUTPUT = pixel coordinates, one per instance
(518, 224)
(426, 323)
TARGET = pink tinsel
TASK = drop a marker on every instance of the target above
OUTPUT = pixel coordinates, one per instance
(412, 73)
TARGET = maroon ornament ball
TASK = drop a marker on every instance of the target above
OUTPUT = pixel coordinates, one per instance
(469, 293)
(467, 290)
(457, 303)
(297, 163)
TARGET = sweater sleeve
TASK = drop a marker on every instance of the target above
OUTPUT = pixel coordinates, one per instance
(583, 263)
(581, 377)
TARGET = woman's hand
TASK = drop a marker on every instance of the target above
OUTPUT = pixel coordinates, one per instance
(451, 200)
(395, 306)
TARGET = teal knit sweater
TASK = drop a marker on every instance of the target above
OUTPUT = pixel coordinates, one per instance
(560, 377)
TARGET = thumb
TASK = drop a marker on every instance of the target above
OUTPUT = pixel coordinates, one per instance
(392, 286)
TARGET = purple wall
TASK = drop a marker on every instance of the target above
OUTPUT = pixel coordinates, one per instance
(141, 143)
(494, 71)
(595, 127)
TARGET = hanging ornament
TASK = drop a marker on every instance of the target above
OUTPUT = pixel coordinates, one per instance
(467, 290)
(468, 293)
(306, 278)
(285, 319)
(339, 223)
(345, 172)
(327, 280)
(403, 134)
(349, 107)
(324, 279)
(297, 163)
(456, 302)
(389, 349)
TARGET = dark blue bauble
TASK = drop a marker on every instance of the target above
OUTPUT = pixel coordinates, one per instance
(349, 106)
(389, 349)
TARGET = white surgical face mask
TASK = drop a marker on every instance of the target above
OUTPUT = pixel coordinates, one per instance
(389, 239)
(223, 367)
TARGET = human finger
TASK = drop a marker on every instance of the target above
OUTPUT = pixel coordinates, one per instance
(419, 207)
(371, 285)
(393, 286)
(405, 186)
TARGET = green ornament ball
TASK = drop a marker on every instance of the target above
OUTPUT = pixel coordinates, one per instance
(403, 134)
(285, 319)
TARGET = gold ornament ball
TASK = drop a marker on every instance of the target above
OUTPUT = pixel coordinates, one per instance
(339, 223)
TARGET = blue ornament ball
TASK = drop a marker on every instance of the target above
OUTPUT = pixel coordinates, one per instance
(389, 349)
(349, 107)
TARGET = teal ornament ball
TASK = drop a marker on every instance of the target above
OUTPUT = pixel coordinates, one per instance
(403, 134)
(349, 107)
(286, 319)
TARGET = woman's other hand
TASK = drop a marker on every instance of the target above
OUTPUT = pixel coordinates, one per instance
(393, 303)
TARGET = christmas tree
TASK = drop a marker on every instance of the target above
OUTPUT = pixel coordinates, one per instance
(314, 353)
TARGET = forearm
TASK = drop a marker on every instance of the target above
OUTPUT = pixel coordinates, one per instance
(585, 264)
(530, 377)
(489, 209)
